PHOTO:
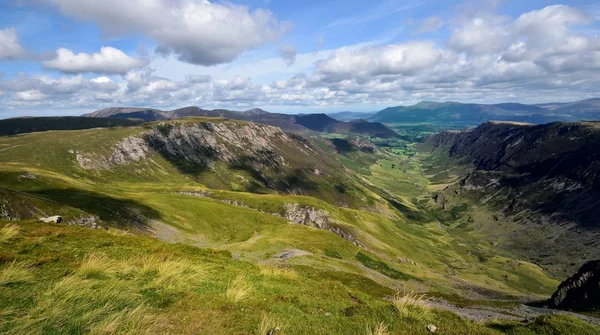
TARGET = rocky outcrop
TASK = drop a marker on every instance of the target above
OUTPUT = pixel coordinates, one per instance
(238, 144)
(306, 215)
(128, 150)
(581, 292)
(309, 216)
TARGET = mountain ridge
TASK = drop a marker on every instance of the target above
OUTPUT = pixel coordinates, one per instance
(288, 122)
(469, 114)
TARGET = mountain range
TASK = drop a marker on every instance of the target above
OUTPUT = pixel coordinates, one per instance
(469, 114)
(287, 122)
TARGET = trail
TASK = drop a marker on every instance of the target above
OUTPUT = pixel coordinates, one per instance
(520, 312)
(14, 146)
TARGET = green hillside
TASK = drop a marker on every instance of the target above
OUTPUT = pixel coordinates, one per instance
(228, 227)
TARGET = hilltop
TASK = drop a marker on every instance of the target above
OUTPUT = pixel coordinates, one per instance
(301, 123)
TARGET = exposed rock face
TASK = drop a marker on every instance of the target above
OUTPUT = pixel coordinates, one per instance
(130, 149)
(202, 143)
(307, 215)
(317, 218)
(233, 143)
(580, 292)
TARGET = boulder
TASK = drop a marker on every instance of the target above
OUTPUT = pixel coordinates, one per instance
(52, 219)
(581, 292)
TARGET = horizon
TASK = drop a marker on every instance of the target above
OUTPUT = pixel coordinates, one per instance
(298, 113)
(63, 57)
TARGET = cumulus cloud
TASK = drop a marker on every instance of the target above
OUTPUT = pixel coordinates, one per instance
(398, 59)
(108, 61)
(288, 53)
(542, 55)
(10, 48)
(198, 32)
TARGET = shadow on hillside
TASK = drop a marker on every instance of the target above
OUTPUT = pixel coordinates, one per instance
(121, 212)
(190, 159)
(409, 213)
(342, 146)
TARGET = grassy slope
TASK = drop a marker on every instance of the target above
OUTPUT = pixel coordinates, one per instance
(58, 279)
(442, 264)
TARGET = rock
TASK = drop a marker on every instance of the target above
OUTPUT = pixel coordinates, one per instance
(431, 328)
(285, 254)
(306, 215)
(581, 292)
(52, 219)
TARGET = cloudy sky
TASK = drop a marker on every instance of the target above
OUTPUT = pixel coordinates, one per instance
(68, 57)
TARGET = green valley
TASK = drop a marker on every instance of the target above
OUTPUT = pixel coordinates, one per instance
(213, 225)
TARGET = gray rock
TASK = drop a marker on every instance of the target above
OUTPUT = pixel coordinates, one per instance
(52, 219)
(431, 328)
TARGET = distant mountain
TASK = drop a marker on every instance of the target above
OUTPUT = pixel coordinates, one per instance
(22, 125)
(350, 116)
(287, 122)
(457, 113)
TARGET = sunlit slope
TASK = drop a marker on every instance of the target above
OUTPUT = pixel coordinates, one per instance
(79, 174)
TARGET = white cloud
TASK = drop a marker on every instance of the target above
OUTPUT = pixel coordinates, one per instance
(101, 80)
(542, 55)
(109, 61)
(31, 95)
(288, 53)
(198, 32)
(10, 48)
(398, 59)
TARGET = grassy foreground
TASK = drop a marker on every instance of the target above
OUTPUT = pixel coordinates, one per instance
(62, 279)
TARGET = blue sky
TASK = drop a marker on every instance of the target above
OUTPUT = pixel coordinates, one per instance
(69, 57)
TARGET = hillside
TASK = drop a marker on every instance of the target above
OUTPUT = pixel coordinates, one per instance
(538, 185)
(300, 123)
(465, 114)
(23, 125)
(269, 206)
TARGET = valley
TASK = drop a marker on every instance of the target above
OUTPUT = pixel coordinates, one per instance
(272, 214)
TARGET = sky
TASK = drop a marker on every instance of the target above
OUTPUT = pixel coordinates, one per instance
(68, 57)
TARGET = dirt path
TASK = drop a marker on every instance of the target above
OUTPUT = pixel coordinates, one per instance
(517, 313)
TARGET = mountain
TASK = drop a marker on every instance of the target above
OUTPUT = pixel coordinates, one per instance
(455, 113)
(23, 125)
(349, 116)
(293, 123)
(530, 189)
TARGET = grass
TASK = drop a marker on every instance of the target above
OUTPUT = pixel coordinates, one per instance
(146, 286)
(8, 232)
(15, 273)
(411, 305)
(278, 272)
(270, 325)
(379, 329)
(238, 290)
